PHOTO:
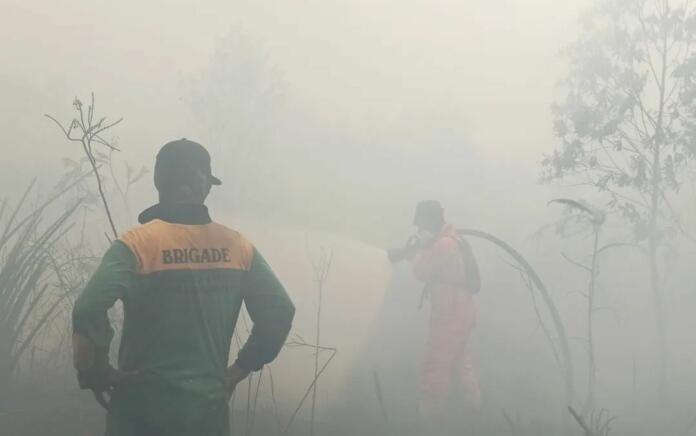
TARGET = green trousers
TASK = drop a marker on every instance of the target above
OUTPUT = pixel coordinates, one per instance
(129, 416)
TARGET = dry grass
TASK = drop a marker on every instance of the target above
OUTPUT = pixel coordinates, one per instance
(28, 263)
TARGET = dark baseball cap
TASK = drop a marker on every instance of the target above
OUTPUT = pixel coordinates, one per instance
(428, 211)
(184, 156)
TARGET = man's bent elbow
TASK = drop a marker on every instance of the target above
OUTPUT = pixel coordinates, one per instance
(284, 326)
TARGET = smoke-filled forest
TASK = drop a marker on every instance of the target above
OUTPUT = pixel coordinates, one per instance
(559, 138)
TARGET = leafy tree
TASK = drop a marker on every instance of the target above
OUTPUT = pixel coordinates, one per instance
(627, 119)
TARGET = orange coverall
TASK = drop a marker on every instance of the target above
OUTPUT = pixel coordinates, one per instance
(453, 315)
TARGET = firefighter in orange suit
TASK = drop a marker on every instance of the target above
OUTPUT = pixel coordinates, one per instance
(443, 261)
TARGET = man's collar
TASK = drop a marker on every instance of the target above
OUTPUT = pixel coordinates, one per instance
(178, 213)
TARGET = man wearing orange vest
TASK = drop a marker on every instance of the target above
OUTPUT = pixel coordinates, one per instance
(182, 279)
(439, 260)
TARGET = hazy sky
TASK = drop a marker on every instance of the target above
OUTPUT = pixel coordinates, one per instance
(350, 64)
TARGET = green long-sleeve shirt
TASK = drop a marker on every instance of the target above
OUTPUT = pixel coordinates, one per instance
(182, 287)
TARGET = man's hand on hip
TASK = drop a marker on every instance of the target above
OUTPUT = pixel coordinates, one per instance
(233, 376)
(103, 382)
